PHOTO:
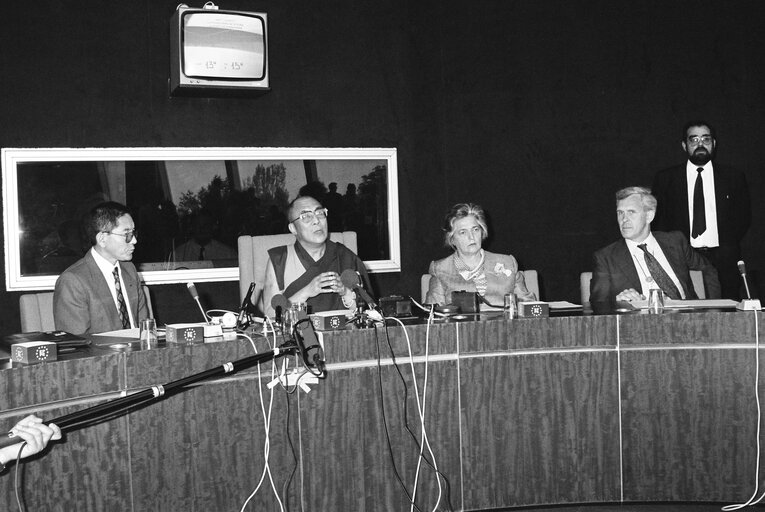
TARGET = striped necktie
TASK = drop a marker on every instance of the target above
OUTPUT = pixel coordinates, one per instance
(121, 307)
(660, 275)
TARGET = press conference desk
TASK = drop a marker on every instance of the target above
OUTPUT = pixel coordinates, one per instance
(531, 411)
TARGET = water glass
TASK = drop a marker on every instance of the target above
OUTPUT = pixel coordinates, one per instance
(148, 333)
(510, 306)
(292, 316)
(655, 300)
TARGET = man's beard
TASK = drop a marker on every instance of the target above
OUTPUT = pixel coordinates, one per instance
(700, 157)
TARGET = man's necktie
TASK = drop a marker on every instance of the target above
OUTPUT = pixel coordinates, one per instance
(699, 213)
(121, 300)
(202, 252)
(660, 275)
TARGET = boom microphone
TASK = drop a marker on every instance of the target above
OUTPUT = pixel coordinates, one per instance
(351, 279)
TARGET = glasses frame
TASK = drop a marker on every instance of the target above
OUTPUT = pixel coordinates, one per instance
(129, 236)
(307, 217)
(700, 139)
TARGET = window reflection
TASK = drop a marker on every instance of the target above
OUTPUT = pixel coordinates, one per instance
(189, 214)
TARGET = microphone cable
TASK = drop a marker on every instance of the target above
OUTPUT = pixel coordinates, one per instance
(421, 408)
(17, 480)
(751, 501)
(426, 442)
(384, 417)
(266, 426)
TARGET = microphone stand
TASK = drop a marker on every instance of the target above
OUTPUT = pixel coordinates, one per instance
(112, 407)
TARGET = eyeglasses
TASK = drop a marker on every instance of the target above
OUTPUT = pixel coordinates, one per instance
(127, 235)
(700, 139)
(307, 216)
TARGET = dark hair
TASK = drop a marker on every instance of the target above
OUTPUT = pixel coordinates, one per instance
(698, 122)
(103, 217)
(460, 211)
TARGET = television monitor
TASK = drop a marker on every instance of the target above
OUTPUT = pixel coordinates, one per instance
(216, 52)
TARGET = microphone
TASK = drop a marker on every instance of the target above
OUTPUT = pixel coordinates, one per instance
(243, 319)
(748, 304)
(742, 271)
(305, 337)
(195, 296)
(280, 303)
(351, 279)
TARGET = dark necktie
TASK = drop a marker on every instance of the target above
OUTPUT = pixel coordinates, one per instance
(201, 252)
(660, 275)
(699, 213)
(121, 307)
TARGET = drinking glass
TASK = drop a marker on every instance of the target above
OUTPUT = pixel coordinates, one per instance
(655, 300)
(148, 330)
(510, 306)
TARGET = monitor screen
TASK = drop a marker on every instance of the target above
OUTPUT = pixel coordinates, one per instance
(215, 51)
(219, 45)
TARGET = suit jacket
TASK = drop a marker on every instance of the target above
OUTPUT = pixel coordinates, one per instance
(83, 303)
(614, 271)
(734, 215)
(502, 276)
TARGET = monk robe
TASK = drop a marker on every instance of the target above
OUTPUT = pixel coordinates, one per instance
(294, 269)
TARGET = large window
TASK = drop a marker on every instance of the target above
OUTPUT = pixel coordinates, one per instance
(190, 205)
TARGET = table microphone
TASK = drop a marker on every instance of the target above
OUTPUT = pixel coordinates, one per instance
(351, 279)
(195, 296)
(243, 319)
(748, 304)
(280, 304)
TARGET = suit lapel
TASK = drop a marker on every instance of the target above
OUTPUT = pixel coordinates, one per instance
(103, 294)
(681, 186)
(627, 266)
(673, 259)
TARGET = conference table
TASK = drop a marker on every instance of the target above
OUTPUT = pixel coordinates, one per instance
(531, 411)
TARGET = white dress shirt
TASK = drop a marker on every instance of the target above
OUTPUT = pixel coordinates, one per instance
(710, 237)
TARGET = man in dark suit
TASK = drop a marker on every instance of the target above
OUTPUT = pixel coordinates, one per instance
(708, 203)
(627, 269)
(102, 292)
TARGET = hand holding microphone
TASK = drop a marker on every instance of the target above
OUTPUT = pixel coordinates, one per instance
(31, 430)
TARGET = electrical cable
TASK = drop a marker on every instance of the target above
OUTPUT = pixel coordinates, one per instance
(384, 418)
(286, 486)
(750, 501)
(421, 406)
(406, 416)
(266, 426)
(16, 480)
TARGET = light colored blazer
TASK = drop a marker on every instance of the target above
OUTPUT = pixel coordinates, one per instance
(83, 303)
(502, 276)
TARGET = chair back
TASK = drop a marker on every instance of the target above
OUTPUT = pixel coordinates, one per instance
(584, 288)
(36, 311)
(530, 276)
(253, 258)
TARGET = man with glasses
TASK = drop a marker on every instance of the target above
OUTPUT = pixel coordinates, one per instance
(102, 292)
(708, 202)
(309, 270)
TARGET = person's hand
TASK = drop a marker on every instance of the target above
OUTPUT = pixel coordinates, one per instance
(629, 295)
(326, 282)
(37, 435)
